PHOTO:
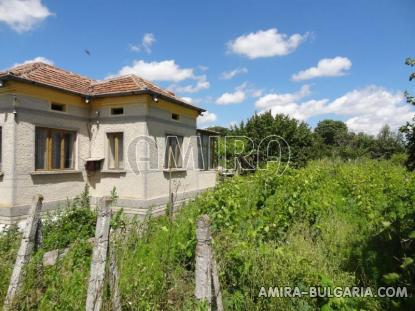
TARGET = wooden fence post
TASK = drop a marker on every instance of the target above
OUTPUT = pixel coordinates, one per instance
(25, 251)
(203, 284)
(99, 256)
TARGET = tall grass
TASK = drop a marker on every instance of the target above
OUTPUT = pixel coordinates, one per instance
(330, 224)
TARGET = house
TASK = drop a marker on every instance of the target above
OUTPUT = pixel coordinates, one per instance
(60, 131)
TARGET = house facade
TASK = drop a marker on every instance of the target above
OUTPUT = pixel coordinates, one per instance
(60, 131)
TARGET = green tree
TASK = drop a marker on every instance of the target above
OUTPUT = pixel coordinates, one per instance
(357, 146)
(387, 144)
(332, 132)
(409, 129)
(295, 140)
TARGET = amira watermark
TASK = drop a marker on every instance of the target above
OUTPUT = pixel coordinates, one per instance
(332, 292)
(150, 153)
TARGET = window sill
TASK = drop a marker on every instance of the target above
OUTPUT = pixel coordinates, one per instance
(115, 171)
(174, 170)
(63, 172)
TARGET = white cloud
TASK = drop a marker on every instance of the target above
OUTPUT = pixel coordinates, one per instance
(241, 92)
(201, 84)
(187, 99)
(35, 60)
(135, 48)
(327, 67)
(206, 118)
(146, 43)
(148, 40)
(23, 15)
(231, 98)
(372, 107)
(265, 43)
(366, 109)
(166, 70)
(227, 75)
(276, 100)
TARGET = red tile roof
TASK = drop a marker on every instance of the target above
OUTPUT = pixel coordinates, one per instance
(55, 77)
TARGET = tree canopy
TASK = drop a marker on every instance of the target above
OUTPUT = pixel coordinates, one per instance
(409, 129)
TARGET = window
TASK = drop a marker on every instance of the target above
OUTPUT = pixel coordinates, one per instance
(54, 149)
(175, 116)
(207, 152)
(58, 107)
(117, 111)
(173, 157)
(116, 150)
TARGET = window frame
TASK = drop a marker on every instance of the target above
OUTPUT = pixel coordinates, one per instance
(178, 158)
(49, 149)
(117, 153)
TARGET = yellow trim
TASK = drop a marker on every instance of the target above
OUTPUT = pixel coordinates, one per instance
(172, 107)
(5, 90)
(45, 93)
(117, 101)
(61, 97)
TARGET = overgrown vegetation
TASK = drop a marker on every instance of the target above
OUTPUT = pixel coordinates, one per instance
(409, 129)
(9, 243)
(328, 224)
(59, 287)
(264, 137)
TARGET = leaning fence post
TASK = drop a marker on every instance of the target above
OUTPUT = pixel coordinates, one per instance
(99, 256)
(25, 251)
(203, 286)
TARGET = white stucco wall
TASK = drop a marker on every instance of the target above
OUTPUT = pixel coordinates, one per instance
(132, 125)
(6, 176)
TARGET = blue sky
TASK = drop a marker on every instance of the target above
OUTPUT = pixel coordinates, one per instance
(347, 56)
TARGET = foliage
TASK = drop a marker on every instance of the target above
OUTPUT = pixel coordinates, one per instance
(332, 132)
(409, 129)
(62, 286)
(280, 136)
(75, 222)
(265, 137)
(333, 139)
(59, 287)
(9, 243)
(387, 144)
(329, 224)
